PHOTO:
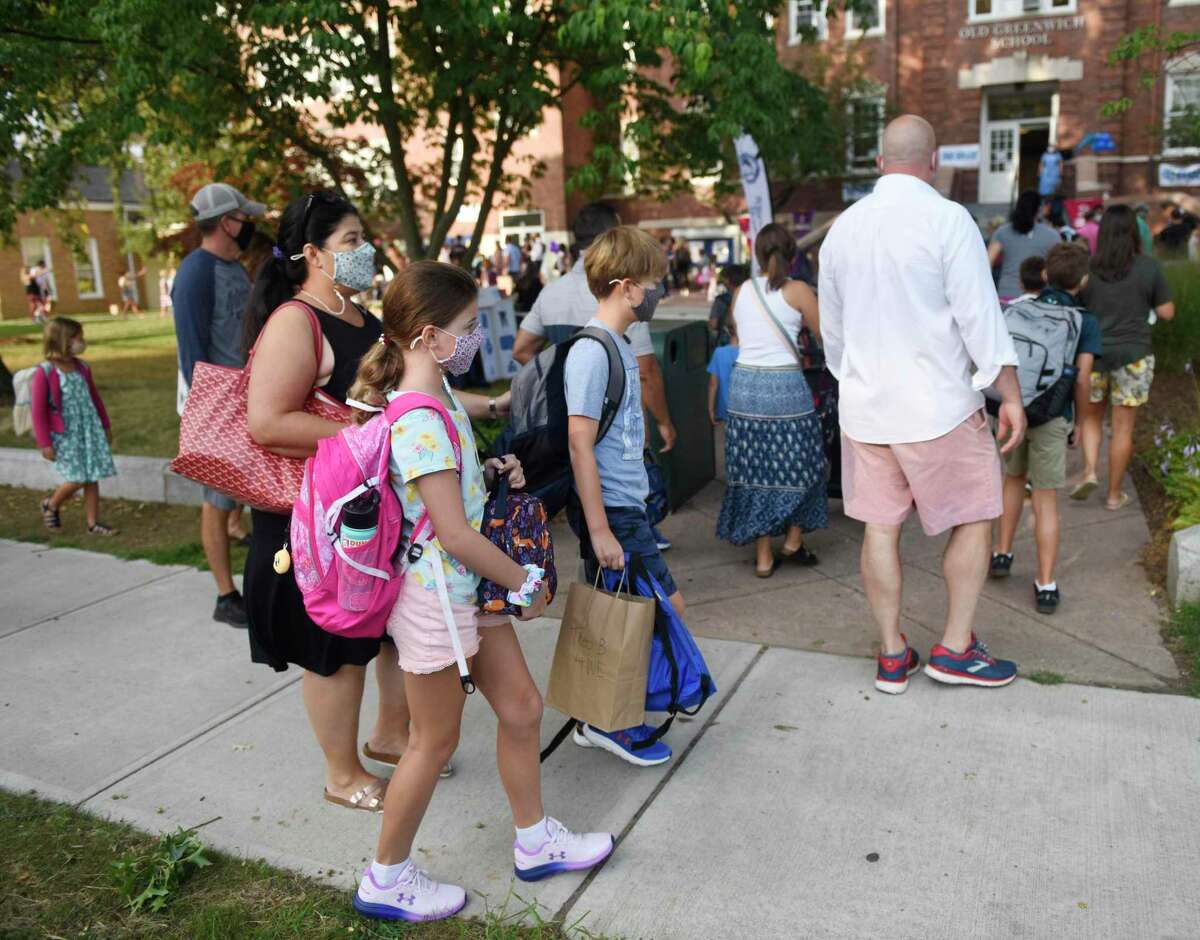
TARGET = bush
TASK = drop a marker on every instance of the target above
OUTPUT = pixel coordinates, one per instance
(1177, 342)
(1175, 464)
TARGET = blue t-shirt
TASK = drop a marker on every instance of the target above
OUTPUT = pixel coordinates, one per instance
(721, 365)
(623, 480)
(208, 299)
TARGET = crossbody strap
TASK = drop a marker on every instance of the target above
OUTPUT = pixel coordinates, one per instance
(762, 303)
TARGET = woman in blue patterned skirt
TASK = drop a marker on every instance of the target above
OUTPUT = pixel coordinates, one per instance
(775, 463)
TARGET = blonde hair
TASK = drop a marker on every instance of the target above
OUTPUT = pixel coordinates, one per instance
(56, 340)
(623, 253)
(424, 293)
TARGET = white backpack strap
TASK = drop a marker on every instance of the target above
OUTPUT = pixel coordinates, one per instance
(331, 514)
(439, 575)
(365, 569)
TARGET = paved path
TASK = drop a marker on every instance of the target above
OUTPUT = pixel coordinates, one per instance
(1033, 811)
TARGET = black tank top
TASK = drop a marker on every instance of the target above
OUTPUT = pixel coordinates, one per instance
(349, 344)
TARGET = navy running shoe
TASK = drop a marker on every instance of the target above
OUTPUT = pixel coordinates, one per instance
(621, 743)
(892, 674)
(973, 666)
(661, 541)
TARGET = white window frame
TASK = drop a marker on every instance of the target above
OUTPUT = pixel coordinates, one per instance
(1187, 64)
(879, 97)
(819, 19)
(879, 29)
(1015, 10)
(1182, 3)
(93, 254)
(44, 256)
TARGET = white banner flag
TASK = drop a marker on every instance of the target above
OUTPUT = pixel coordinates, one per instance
(754, 184)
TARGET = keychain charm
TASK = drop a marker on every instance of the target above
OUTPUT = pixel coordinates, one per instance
(283, 560)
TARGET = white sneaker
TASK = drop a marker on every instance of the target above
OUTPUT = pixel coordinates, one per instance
(563, 850)
(415, 896)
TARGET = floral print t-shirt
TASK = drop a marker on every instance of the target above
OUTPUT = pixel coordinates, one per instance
(420, 445)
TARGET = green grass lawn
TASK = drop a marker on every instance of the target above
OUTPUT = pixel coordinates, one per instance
(165, 535)
(133, 362)
(56, 868)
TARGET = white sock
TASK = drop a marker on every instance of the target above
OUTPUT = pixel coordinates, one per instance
(1052, 586)
(386, 875)
(532, 837)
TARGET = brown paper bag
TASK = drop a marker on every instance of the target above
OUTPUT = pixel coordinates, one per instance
(602, 657)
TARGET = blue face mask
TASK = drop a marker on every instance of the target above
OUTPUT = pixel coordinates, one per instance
(354, 269)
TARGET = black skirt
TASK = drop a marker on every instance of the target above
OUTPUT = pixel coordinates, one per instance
(281, 632)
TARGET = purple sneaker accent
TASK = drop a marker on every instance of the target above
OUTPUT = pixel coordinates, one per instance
(562, 851)
(414, 897)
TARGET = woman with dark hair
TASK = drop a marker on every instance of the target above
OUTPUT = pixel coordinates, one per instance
(319, 262)
(1122, 289)
(774, 452)
(1022, 236)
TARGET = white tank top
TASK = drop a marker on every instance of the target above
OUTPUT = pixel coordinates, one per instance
(759, 343)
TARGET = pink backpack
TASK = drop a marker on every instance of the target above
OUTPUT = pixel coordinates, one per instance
(350, 589)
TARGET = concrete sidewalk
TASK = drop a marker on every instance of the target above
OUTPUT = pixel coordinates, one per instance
(801, 803)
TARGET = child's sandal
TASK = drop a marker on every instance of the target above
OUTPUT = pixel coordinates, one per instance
(99, 528)
(50, 517)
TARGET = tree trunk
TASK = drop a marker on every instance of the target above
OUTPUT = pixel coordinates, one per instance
(6, 384)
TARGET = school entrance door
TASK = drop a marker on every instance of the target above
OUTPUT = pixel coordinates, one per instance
(1017, 125)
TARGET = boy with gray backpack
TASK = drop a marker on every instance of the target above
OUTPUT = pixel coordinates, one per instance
(1057, 342)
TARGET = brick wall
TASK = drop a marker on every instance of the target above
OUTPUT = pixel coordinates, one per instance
(98, 224)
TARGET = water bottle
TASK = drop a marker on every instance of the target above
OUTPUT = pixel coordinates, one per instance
(360, 521)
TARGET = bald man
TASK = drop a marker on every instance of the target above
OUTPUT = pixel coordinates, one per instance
(914, 334)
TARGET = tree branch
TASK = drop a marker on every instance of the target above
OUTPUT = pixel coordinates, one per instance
(48, 37)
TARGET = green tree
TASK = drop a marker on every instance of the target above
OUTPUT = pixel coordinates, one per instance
(352, 91)
(1144, 49)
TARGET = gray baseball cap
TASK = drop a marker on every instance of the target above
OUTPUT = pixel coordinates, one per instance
(218, 199)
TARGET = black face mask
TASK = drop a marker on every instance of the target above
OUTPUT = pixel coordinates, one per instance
(245, 235)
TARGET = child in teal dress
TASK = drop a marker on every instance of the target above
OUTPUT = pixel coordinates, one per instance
(71, 425)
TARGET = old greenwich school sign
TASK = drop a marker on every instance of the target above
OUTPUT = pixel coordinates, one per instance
(1023, 33)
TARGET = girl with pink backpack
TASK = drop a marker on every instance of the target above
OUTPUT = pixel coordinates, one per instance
(430, 328)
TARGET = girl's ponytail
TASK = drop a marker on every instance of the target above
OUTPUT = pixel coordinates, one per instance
(380, 370)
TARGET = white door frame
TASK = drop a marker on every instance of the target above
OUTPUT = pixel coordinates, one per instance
(1000, 187)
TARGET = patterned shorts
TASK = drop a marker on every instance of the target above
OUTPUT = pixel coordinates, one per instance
(1128, 385)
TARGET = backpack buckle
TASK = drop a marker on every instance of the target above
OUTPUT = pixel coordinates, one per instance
(415, 553)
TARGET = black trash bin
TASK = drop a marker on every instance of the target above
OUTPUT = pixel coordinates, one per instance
(682, 348)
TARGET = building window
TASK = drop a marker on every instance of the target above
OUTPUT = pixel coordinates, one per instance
(1008, 9)
(872, 23)
(1181, 105)
(87, 272)
(37, 251)
(864, 133)
(806, 19)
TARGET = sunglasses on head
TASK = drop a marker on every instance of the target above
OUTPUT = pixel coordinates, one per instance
(325, 195)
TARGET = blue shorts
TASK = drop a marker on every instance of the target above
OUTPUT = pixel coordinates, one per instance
(631, 527)
(218, 500)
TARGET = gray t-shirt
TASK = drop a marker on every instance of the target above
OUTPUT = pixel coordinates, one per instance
(623, 480)
(1122, 308)
(1017, 247)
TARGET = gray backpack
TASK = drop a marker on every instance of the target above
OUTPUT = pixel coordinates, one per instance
(1046, 336)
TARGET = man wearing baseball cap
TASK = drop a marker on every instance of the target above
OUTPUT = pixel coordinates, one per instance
(209, 296)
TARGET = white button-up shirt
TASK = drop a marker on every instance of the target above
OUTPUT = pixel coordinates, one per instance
(908, 305)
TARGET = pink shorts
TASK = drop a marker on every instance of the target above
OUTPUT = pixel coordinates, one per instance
(420, 632)
(953, 479)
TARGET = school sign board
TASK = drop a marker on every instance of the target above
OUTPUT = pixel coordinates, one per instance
(959, 156)
(1172, 174)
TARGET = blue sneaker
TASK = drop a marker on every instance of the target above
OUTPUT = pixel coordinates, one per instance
(974, 666)
(892, 674)
(660, 540)
(621, 743)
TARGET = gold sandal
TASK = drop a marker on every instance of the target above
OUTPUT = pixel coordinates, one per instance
(369, 798)
(384, 757)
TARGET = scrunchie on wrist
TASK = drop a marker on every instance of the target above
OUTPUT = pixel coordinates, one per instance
(534, 579)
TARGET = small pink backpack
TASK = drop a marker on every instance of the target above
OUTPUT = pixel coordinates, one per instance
(349, 589)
